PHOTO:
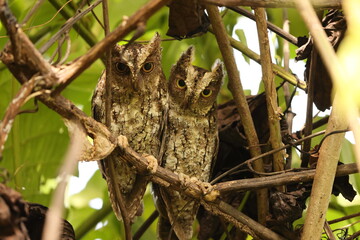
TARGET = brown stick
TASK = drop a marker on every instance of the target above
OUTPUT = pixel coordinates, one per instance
(282, 33)
(270, 89)
(324, 4)
(23, 49)
(69, 73)
(243, 108)
(278, 180)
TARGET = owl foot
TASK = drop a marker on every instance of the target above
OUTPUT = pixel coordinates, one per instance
(122, 142)
(152, 162)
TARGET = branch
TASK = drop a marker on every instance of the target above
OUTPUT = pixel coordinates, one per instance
(324, 4)
(282, 33)
(270, 89)
(237, 91)
(92, 220)
(281, 72)
(69, 73)
(23, 49)
(278, 180)
(68, 25)
(87, 35)
(325, 174)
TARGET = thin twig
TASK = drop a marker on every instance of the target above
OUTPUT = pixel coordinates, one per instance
(309, 105)
(344, 218)
(67, 26)
(277, 69)
(282, 33)
(323, 4)
(236, 89)
(145, 225)
(270, 90)
(108, 103)
(289, 115)
(91, 221)
(285, 178)
(22, 46)
(264, 155)
(70, 72)
(328, 231)
(86, 34)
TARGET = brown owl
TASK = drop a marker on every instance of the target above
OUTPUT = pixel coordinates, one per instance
(191, 140)
(138, 110)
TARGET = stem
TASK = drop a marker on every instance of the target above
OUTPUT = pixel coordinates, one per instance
(287, 178)
(282, 33)
(270, 90)
(237, 91)
(92, 220)
(325, 174)
(277, 69)
(273, 3)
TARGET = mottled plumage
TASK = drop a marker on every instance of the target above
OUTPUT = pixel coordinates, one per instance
(191, 140)
(138, 110)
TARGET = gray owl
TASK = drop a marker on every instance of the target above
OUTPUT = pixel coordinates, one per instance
(138, 111)
(191, 141)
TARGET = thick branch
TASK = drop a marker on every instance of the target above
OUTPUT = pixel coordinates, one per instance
(325, 173)
(325, 4)
(239, 96)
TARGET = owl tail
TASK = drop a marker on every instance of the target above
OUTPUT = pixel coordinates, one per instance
(181, 213)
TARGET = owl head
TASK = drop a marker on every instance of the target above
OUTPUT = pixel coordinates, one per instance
(192, 88)
(137, 67)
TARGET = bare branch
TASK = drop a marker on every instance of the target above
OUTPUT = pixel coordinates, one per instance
(23, 49)
(324, 4)
(270, 89)
(277, 69)
(69, 73)
(282, 33)
(278, 180)
(241, 104)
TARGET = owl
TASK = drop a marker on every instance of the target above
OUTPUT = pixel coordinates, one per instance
(138, 111)
(191, 141)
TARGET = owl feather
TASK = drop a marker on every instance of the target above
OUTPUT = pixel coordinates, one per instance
(138, 111)
(191, 140)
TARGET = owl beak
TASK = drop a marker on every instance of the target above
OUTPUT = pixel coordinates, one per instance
(138, 83)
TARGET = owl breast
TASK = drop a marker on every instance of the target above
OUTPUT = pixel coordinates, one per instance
(194, 140)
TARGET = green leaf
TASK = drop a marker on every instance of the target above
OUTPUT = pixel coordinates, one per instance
(241, 35)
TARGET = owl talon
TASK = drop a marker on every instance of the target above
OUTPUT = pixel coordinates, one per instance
(123, 142)
(152, 162)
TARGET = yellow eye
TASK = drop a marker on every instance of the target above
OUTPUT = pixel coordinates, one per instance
(206, 92)
(122, 67)
(181, 84)
(148, 67)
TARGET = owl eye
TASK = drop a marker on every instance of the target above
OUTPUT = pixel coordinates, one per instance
(148, 67)
(122, 67)
(181, 84)
(206, 92)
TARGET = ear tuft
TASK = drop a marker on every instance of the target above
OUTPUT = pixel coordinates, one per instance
(218, 69)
